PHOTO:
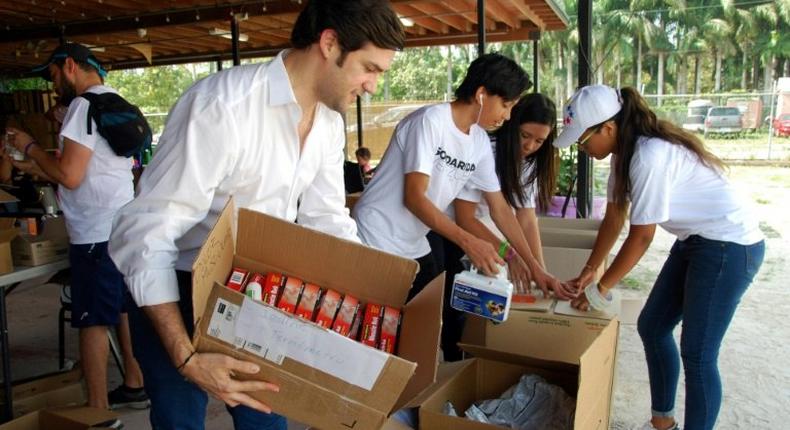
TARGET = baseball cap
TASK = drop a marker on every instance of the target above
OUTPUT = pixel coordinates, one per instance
(589, 106)
(73, 50)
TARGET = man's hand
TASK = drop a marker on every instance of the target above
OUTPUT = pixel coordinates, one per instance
(482, 254)
(18, 138)
(214, 373)
(581, 303)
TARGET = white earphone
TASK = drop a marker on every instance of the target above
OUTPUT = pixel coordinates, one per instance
(481, 99)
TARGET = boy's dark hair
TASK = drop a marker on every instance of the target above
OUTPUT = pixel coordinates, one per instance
(355, 21)
(362, 152)
(499, 75)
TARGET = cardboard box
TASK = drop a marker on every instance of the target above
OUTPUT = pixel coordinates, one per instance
(71, 418)
(569, 223)
(566, 250)
(48, 391)
(7, 234)
(577, 354)
(51, 244)
(326, 380)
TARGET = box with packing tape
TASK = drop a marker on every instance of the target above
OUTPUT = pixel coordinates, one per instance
(326, 380)
(574, 352)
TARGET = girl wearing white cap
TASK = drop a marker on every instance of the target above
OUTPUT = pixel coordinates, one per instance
(669, 179)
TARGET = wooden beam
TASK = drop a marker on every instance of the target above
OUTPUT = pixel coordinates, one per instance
(442, 14)
(146, 20)
(495, 8)
(527, 11)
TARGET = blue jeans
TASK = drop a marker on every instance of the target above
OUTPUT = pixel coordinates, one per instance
(175, 402)
(701, 283)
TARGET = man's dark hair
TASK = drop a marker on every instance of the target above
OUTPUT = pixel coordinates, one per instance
(362, 152)
(355, 21)
(85, 67)
(499, 75)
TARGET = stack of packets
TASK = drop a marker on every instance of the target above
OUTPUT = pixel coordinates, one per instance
(373, 325)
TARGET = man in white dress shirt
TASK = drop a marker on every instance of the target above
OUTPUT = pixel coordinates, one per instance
(272, 136)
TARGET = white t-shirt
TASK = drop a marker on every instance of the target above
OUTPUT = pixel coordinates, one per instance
(472, 194)
(672, 188)
(90, 208)
(234, 133)
(427, 141)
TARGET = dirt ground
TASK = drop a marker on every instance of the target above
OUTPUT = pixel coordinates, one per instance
(755, 357)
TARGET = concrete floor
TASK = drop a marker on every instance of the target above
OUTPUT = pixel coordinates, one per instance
(33, 337)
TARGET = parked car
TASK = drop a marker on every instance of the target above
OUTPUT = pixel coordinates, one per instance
(376, 132)
(392, 116)
(695, 123)
(723, 120)
(695, 116)
(782, 125)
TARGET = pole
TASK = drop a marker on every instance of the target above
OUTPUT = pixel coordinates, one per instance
(584, 190)
(771, 119)
(234, 41)
(481, 27)
(535, 64)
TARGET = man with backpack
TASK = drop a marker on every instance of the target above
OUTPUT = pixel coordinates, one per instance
(94, 183)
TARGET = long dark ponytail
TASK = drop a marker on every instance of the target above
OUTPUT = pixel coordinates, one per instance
(634, 120)
(535, 108)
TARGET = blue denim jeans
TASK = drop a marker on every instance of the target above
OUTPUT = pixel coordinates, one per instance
(701, 284)
(175, 402)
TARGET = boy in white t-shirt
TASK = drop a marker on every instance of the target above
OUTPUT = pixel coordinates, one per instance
(433, 154)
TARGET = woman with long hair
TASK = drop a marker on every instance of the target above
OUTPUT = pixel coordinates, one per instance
(668, 178)
(525, 166)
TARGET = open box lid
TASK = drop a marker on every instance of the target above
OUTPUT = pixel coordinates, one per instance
(508, 357)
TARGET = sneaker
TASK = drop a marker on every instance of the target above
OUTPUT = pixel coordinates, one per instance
(649, 426)
(110, 424)
(125, 397)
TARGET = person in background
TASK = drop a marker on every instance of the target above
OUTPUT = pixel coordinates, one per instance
(363, 159)
(272, 136)
(93, 184)
(668, 178)
(434, 153)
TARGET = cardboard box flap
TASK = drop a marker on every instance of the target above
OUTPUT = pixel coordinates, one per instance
(44, 383)
(596, 374)
(420, 334)
(329, 261)
(548, 337)
(84, 415)
(569, 223)
(568, 238)
(508, 357)
(444, 372)
(211, 263)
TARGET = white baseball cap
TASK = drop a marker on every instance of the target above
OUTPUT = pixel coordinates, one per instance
(589, 106)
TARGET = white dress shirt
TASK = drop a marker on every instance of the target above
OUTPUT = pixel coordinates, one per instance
(232, 134)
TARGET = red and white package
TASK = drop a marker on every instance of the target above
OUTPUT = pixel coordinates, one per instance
(273, 287)
(237, 279)
(254, 287)
(330, 302)
(355, 326)
(371, 325)
(291, 292)
(389, 329)
(345, 316)
(309, 301)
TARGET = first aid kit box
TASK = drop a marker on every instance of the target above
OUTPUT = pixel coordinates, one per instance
(482, 295)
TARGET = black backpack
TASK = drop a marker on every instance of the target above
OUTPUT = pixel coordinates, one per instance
(119, 122)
